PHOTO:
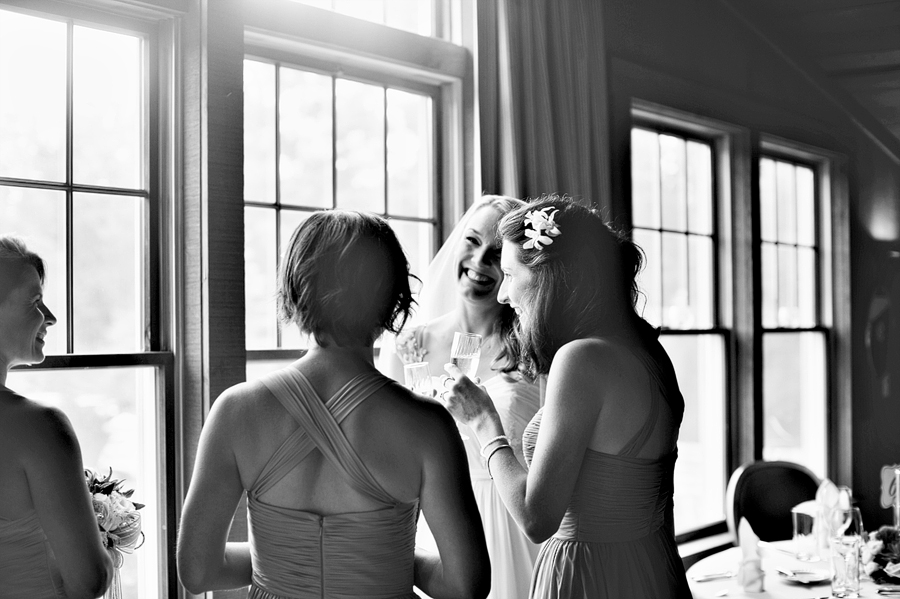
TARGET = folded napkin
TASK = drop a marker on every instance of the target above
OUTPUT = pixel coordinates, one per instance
(750, 573)
(827, 498)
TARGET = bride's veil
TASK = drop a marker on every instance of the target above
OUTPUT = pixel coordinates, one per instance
(437, 295)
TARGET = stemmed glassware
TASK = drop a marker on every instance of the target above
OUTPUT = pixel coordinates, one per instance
(465, 352)
(417, 377)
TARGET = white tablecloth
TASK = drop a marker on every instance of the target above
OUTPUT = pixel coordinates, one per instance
(776, 586)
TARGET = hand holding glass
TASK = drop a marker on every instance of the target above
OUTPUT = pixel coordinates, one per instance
(466, 352)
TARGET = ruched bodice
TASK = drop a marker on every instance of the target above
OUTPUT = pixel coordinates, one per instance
(616, 539)
(616, 498)
(302, 555)
(27, 567)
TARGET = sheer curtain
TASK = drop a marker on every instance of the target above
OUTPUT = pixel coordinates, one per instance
(542, 89)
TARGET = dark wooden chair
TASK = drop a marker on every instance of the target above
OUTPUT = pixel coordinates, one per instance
(764, 493)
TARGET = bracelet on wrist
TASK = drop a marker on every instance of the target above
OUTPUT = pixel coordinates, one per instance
(487, 460)
(500, 438)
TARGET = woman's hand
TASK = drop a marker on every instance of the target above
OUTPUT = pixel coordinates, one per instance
(470, 403)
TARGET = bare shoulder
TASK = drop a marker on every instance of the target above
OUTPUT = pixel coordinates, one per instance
(37, 427)
(419, 419)
(590, 356)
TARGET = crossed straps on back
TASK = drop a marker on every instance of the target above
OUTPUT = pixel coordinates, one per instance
(319, 428)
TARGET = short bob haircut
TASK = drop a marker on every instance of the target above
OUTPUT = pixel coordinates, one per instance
(344, 278)
(13, 251)
(584, 283)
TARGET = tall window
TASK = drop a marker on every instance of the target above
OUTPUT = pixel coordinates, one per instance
(346, 132)
(674, 223)
(688, 187)
(794, 338)
(74, 183)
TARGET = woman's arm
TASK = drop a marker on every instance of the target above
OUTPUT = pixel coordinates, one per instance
(537, 498)
(58, 489)
(463, 567)
(206, 560)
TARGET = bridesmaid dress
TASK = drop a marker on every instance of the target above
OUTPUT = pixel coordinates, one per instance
(616, 539)
(27, 566)
(298, 554)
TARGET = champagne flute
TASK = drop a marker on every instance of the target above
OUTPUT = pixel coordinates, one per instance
(418, 378)
(466, 352)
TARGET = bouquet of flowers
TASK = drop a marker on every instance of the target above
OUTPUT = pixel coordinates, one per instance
(881, 555)
(118, 520)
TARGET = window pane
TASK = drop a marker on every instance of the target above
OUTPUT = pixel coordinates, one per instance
(786, 197)
(415, 16)
(108, 265)
(675, 282)
(417, 240)
(767, 206)
(794, 394)
(701, 281)
(369, 10)
(673, 176)
(700, 191)
(114, 413)
(699, 362)
(769, 285)
(32, 97)
(290, 220)
(649, 280)
(259, 132)
(257, 368)
(806, 213)
(38, 216)
(360, 146)
(107, 108)
(409, 158)
(305, 128)
(259, 282)
(806, 288)
(787, 286)
(410, 15)
(645, 178)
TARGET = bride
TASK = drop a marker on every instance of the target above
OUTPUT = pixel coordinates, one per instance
(459, 293)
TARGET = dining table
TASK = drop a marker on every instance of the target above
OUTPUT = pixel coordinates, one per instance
(783, 576)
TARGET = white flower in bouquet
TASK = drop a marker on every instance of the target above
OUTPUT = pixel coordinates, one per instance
(118, 520)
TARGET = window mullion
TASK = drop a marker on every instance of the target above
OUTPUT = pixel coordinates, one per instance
(70, 220)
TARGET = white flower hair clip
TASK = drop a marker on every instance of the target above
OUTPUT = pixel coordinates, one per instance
(543, 228)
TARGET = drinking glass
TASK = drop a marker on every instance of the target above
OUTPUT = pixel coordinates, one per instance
(845, 564)
(804, 532)
(466, 352)
(418, 378)
(846, 542)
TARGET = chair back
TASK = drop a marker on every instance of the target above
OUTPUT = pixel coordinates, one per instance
(764, 493)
